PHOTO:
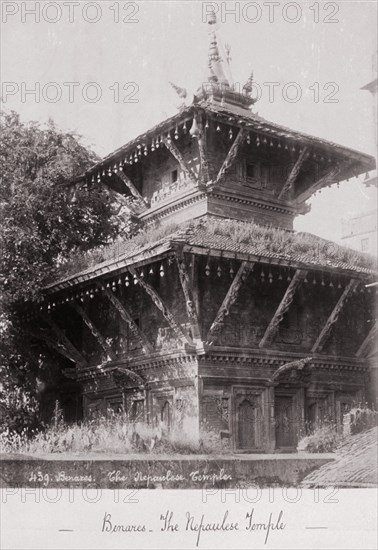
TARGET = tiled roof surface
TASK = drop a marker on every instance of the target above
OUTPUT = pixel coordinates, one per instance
(265, 243)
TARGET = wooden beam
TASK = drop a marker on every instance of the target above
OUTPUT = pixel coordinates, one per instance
(298, 365)
(63, 340)
(202, 148)
(288, 186)
(162, 307)
(320, 341)
(95, 332)
(131, 187)
(286, 302)
(125, 315)
(133, 206)
(231, 155)
(229, 300)
(180, 159)
(188, 293)
(328, 178)
(52, 344)
(370, 338)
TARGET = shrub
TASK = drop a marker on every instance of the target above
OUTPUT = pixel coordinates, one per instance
(324, 439)
(115, 433)
(362, 418)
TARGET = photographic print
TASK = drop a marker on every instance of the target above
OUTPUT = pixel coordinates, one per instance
(188, 274)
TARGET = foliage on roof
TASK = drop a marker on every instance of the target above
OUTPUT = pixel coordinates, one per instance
(231, 235)
(269, 240)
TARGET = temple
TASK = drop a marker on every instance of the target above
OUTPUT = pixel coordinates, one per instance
(218, 312)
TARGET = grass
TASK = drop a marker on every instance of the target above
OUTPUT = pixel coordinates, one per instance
(114, 434)
(267, 239)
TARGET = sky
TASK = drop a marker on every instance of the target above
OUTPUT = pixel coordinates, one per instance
(103, 69)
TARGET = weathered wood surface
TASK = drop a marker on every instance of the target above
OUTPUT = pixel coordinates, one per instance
(231, 155)
(126, 316)
(180, 159)
(63, 340)
(229, 300)
(162, 307)
(320, 341)
(368, 342)
(285, 304)
(94, 330)
(288, 186)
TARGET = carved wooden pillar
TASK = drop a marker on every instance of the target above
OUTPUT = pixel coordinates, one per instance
(189, 298)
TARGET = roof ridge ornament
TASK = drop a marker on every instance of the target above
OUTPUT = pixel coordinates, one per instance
(181, 92)
(220, 87)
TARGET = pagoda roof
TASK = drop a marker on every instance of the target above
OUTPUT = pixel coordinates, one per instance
(235, 115)
(223, 238)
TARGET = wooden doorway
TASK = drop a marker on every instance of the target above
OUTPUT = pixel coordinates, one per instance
(246, 425)
(284, 422)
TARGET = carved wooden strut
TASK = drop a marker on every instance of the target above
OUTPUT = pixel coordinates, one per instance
(125, 315)
(180, 159)
(370, 338)
(229, 300)
(95, 332)
(349, 289)
(289, 184)
(63, 341)
(328, 178)
(162, 307)
(140, 201)
(231, 155)
(283, 307)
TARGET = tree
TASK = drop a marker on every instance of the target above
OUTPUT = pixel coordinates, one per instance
(44, 221)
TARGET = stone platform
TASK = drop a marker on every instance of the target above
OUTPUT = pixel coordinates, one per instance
(158, 471)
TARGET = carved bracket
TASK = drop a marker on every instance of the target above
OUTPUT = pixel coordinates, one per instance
(125, 315)
(294, 173)
(63, 343)
(162, 307)
(122, 375)
(231, 155)
(229, 300)
(297, 365)
(369, 340)
(330, 177)
(180, 159)
(285, 304)
(349, 289)
(95, 332)
(140, 205)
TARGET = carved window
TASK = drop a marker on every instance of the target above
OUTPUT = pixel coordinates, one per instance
(250, 171)
(174, 176)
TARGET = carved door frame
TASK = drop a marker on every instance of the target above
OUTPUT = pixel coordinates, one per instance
(294, 393)
(253, 394)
